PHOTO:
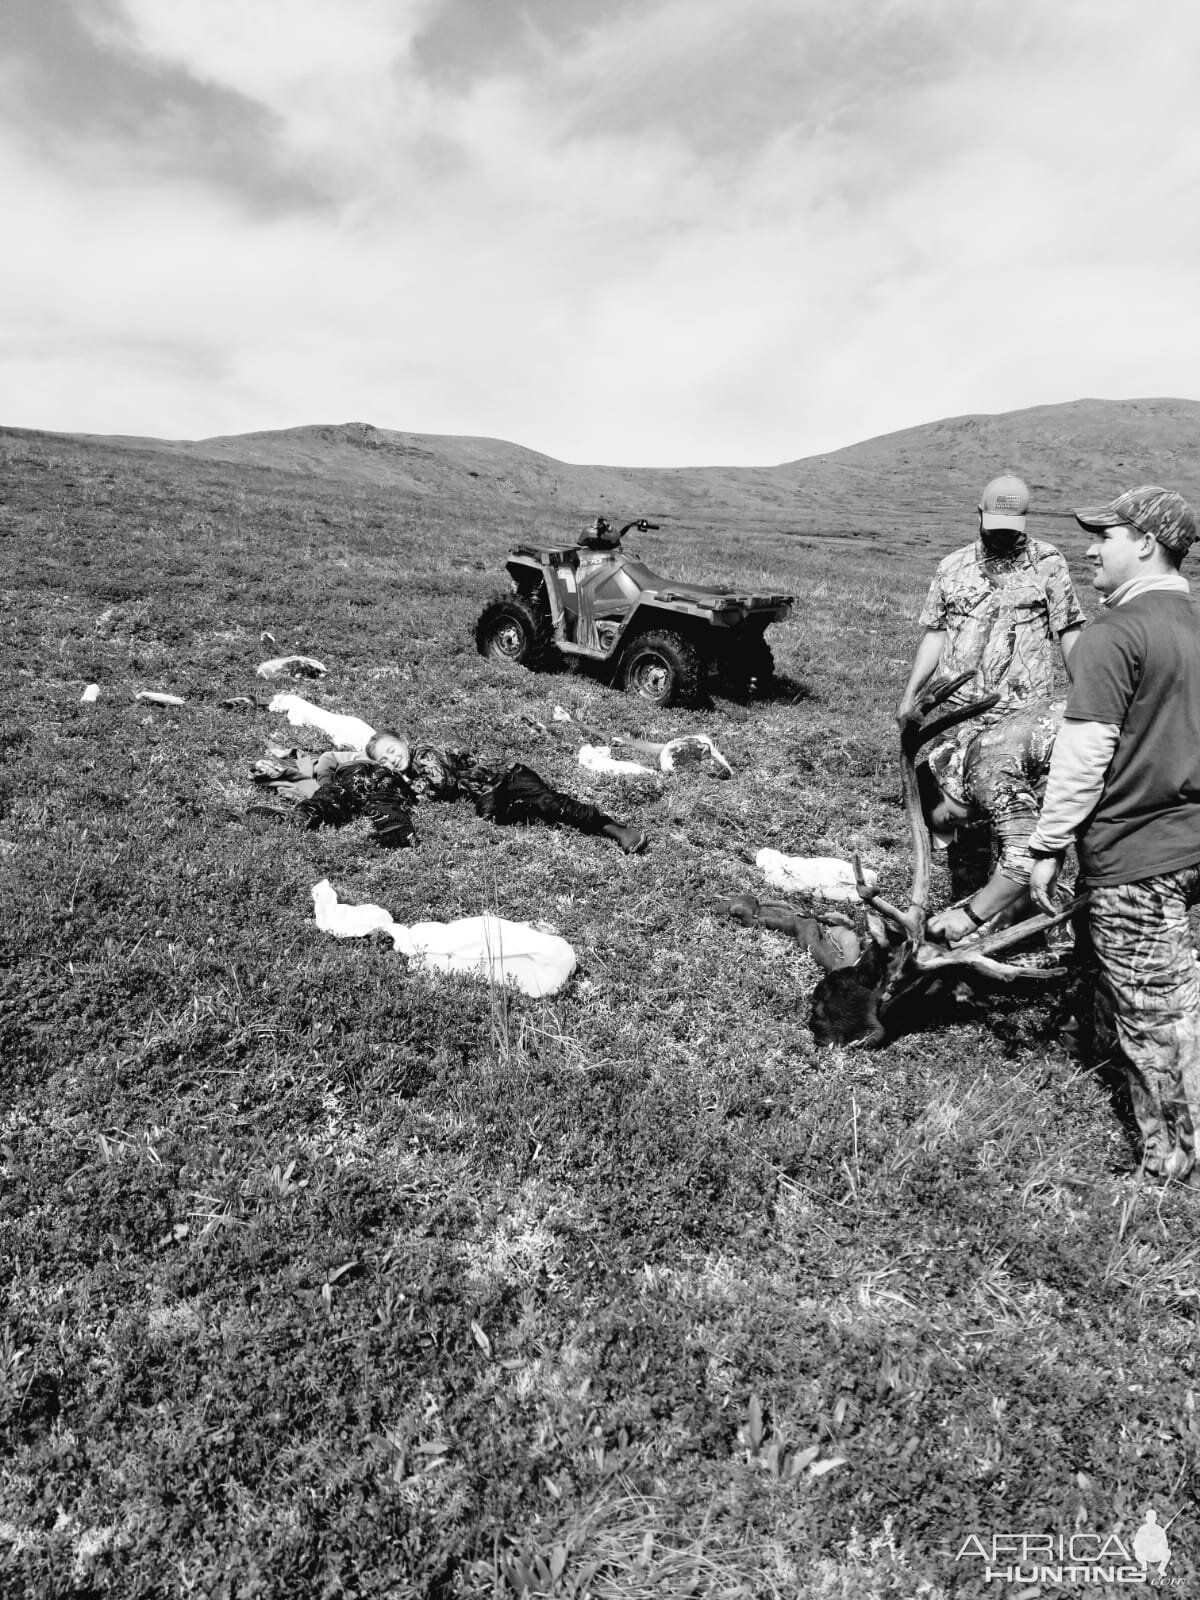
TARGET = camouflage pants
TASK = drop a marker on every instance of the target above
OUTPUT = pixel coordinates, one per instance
(1148, 1008)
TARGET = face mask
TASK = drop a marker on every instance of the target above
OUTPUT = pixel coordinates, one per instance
(1003, 542)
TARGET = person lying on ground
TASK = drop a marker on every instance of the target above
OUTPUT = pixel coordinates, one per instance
(386, 780)
(1000, 783)
(295, 774)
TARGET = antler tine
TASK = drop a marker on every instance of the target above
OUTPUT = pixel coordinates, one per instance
(933, 698)
(922, 850)
(978, 952)
(902, 921)
(912, 738)
(950, 719)
(910, 923)
(1005, 971)
(1018, 932)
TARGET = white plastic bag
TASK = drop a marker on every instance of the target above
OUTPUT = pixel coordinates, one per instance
(534, 959)
(827, 876)
(343, 732)
(294, 666)
(691, 749)
(599, 758)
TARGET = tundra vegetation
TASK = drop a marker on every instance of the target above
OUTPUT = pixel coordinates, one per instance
(325, 1277)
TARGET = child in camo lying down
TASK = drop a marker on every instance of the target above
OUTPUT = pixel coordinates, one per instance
(386, 780)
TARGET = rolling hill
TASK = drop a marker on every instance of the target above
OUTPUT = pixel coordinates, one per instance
(922, 481)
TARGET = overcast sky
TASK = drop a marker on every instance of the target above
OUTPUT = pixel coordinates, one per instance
(645, 232)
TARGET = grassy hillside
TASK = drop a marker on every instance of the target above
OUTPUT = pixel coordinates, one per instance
(922, 482)
(326, 1277)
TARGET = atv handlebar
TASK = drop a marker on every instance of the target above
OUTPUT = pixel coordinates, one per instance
(600, 535)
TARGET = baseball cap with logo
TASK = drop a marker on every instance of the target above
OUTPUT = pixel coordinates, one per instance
(1003, 504)
(1150, 509)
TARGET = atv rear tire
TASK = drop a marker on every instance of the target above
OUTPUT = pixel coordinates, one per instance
(513, 628)
(748, 667)
(662, 667)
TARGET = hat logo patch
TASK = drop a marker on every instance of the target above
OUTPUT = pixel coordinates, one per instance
(1008, 502)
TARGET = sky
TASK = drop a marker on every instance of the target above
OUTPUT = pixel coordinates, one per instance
(635, 232)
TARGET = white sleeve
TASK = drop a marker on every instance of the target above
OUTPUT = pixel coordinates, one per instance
(1082, 753)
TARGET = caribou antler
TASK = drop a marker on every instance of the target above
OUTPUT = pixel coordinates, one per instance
(861, 997)
(913, 738)
(979, 950)
(852, 1006)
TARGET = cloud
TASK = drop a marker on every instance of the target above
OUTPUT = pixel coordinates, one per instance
(673, 231)
(85, 102)
(330, 73)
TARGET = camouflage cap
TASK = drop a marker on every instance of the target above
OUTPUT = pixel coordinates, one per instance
(1150, 509)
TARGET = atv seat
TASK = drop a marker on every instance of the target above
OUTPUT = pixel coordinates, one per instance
(699, 592)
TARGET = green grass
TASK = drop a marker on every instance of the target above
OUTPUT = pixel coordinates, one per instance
(322, 1277)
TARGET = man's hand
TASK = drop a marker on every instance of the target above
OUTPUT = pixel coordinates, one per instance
(907, 713)
(1043, 880)
(951, 926)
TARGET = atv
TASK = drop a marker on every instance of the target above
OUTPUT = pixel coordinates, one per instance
(653, 636)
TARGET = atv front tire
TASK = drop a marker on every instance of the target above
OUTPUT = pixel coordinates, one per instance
(512, 628)
(662, 667)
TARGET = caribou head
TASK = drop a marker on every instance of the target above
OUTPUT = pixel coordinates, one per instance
(856, 999)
